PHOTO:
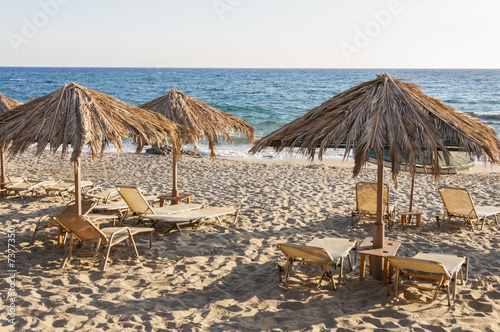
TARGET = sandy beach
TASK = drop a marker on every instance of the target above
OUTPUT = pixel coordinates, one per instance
(225, 277)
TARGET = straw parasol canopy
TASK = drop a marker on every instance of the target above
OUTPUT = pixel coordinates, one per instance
(202, 120)
(386, 114)
(6, 104)
(76, 116)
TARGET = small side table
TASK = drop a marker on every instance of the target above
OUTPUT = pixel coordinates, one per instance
(366, 249)
(175, 199)
(405, 213)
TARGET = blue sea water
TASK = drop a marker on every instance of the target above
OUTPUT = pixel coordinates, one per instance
(265, 98)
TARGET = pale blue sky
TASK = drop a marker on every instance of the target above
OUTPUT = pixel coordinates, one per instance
(251, 33)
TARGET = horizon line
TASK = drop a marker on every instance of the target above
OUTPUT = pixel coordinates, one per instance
(287, 68)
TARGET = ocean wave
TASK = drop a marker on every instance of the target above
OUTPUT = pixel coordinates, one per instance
(18, 79)
(488, 116)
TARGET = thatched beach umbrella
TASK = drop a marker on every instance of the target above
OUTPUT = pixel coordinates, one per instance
(6, 104)
(386, 114)
(76, 116)
(202, 120)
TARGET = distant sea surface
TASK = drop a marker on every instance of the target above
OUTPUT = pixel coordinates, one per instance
(265, 98)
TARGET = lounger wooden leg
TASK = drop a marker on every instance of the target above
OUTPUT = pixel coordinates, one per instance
(362, 267)
(466, 277)
(236, 215)
(396, 282)
(68, 252)
(482, 222)
(106, 258)
(350, 262)
(198, 225)
(280, 271)
(370, 267)
(59, 237)
(37, 228)
(385, 265)
(341, 269)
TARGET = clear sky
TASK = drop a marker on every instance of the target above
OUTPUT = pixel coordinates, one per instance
(251, 33)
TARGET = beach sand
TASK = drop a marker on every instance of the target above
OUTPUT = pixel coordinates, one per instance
(225, 277)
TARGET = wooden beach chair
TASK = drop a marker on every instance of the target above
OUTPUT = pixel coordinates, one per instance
(366, 203)
(120, 208)
(21, 185)
(193, 217)
(67, 187)
(81, 229)
(460, 211)
(315, 260)
(441, 271)
(140, 206)
(100, 195)
(48, 221)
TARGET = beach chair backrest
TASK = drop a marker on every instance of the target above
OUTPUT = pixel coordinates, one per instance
(457, 201)
(63, 185)
(80, 226)
(16, 179)
(421, 265)
(366, 197)
(137, 203)
(70, 208)
(305, 252)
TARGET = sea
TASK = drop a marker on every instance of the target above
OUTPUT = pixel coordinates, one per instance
(265, 98)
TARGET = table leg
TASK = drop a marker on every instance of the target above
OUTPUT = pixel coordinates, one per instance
(174, 202)
(188, 200)
(362, 267)
(419, 218)
(403, 220)
(162, 201)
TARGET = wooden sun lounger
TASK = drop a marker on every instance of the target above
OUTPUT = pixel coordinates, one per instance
(193, 217)
(442, 270)
(48, 221)
(22, 185)
(102, 195)
(81, 229)
(326, 252)
(65, 186)
(366, 203)
(140, 206)
(461, 211)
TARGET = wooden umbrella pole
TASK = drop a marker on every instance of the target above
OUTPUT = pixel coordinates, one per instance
(411, 193)
(78, 187)
(378, 227)
(411, 196)
(3, 178)
(175, 192)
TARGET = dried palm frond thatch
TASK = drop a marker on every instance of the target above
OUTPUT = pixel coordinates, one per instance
(202, 120)
(387, 114)
(6, 103)
(76, 116)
